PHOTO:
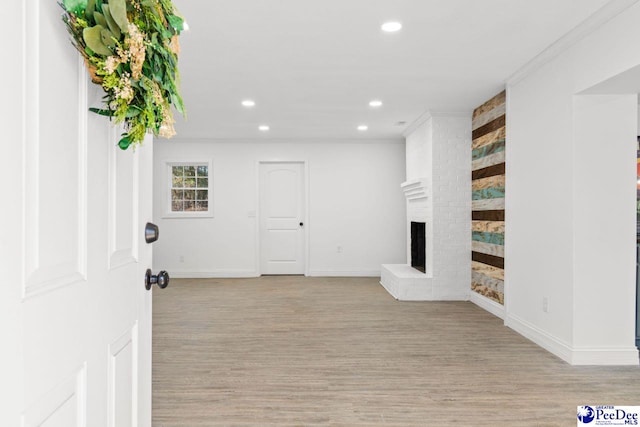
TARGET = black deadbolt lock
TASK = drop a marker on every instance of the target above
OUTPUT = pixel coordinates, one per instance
(151, 232)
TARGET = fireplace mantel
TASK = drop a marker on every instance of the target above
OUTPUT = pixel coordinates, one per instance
(415, 189)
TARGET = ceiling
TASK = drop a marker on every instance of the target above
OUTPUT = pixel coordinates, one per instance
(313, 66)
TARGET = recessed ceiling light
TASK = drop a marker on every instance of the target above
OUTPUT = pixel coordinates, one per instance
(362, 128)
(249, 103)
(375, 103)
(391, 27)
(263, 128)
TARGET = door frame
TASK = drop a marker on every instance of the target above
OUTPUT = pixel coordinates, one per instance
(305, 204)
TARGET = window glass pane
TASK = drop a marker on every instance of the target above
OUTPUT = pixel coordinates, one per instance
(189, 171)
(189, 194)
(202, 195)
(203, 182)
(190, 182)
(202, 206)
(177, 195)
(178, 170)
(203, 171)
(189, 206)
(178, 181)
(176, 206)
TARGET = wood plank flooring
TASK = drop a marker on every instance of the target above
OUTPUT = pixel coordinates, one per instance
(294, 351)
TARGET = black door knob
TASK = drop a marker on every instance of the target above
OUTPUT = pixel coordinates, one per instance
(161, 279)
(302, 224)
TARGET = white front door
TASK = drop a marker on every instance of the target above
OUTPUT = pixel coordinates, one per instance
(282, 216)
(74, 308)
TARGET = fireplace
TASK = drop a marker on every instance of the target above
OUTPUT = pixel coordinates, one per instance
(418, 246)
(437, 266)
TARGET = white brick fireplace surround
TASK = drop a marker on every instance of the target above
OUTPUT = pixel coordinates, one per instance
(438, 193)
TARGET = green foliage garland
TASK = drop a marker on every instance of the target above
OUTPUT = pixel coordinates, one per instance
(131, 49)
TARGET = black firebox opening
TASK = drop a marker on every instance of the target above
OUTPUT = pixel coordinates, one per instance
(418, 244)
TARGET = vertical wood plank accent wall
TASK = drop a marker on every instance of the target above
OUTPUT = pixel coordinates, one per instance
(488, 182)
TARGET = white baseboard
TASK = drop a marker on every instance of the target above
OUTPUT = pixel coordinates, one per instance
(488, 304)
(217, 274)
(573, 356)
(540, 337)
(337, 273)
(232, 274)
(608, 356)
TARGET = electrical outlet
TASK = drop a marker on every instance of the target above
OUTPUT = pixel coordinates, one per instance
(545, 304)
(181, 258)
(339, 249)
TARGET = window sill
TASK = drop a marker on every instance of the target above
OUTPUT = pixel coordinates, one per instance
(186, 215)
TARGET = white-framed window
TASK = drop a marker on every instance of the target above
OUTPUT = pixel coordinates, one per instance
(189, 187)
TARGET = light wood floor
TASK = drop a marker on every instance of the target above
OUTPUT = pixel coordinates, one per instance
(293, 351)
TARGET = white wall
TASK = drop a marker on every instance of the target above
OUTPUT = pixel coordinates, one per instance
(571, 195)
(604, 297)
(354, 195)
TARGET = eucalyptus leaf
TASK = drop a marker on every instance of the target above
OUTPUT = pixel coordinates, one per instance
(115, 29)
(176, 22)
(177, 102)
(99, 18)
(102, 112)
(107, 38)
(133, 112)
(118, 9)
(151, 7)
(166, 33)
(93, 38)
(75, 6)
(125, 142)
(91, 7)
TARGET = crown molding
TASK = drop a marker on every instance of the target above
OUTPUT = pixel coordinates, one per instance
(422, 119)
(582, 30)
(454, 114)
(177, 140)
(428, 115)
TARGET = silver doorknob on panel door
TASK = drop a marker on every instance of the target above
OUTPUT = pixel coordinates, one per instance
(161, 279)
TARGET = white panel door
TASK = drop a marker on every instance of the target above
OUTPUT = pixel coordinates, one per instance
(282, 201)
(74, 308)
